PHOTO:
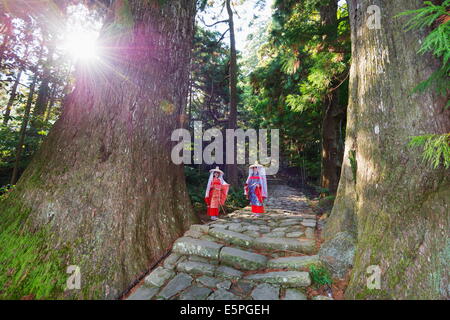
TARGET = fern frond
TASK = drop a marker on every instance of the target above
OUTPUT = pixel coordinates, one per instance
(436, 148)
(437, 41)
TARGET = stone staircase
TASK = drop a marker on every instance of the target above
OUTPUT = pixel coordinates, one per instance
(242, 257)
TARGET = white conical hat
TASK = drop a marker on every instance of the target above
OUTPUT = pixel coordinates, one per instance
(216, 170)
(256, 164)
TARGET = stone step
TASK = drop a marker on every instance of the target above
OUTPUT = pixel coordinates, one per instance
(232, 237)
(242, 259)
(200, 228)
(294, 294)
(144, 293)
(228, 273)
(202, 248)
(309, 223)
(284, 278)
(294, 263)
(265, 291)
(222, 294)
(208, 281)
(194, 267)
(307, 246)
(180, 282)
(158, 277)
(195, 293)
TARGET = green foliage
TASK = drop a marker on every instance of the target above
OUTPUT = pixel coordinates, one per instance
(196, 181)
(236, 199)
(320, 275)
(437, 41)
(322, 190)
(209, 92)
(9, 137)
(5, 190)
(436, 148)
(201, 4)
(290, 87)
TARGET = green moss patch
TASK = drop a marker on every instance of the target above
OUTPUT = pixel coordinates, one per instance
(29, 267)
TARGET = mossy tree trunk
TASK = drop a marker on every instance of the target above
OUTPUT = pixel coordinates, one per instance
(396, 205)
(103, 185)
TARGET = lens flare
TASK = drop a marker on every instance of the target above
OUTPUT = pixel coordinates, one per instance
(82, 46)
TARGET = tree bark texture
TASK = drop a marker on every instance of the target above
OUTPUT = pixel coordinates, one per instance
(103, 184)
(396, 205)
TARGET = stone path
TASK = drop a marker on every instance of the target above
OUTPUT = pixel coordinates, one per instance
(241, 257)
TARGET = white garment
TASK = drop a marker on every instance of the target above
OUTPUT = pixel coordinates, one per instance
(262, 176)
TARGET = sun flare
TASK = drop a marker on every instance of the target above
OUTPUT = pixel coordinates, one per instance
(81, 46)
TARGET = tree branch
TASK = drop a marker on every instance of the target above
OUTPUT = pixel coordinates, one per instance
(221, 37)
(217, 22)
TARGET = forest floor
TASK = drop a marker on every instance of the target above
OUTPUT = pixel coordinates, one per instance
(243, 257)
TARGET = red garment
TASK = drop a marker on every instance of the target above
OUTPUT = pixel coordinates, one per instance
(212, 212)
(217, 196)
(257, 209)
(258, 193)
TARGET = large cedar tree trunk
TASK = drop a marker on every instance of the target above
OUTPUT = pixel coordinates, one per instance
(396, 205)
(103, 186)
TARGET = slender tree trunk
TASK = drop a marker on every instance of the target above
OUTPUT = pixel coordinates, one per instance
(102, 191)
(23, 131)
(395, 204)
(190, 97)
(332, 151)
(51, 103)
(232, 119)
(333, 110)
(12, 97)
(6, 38)
(43, 92)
